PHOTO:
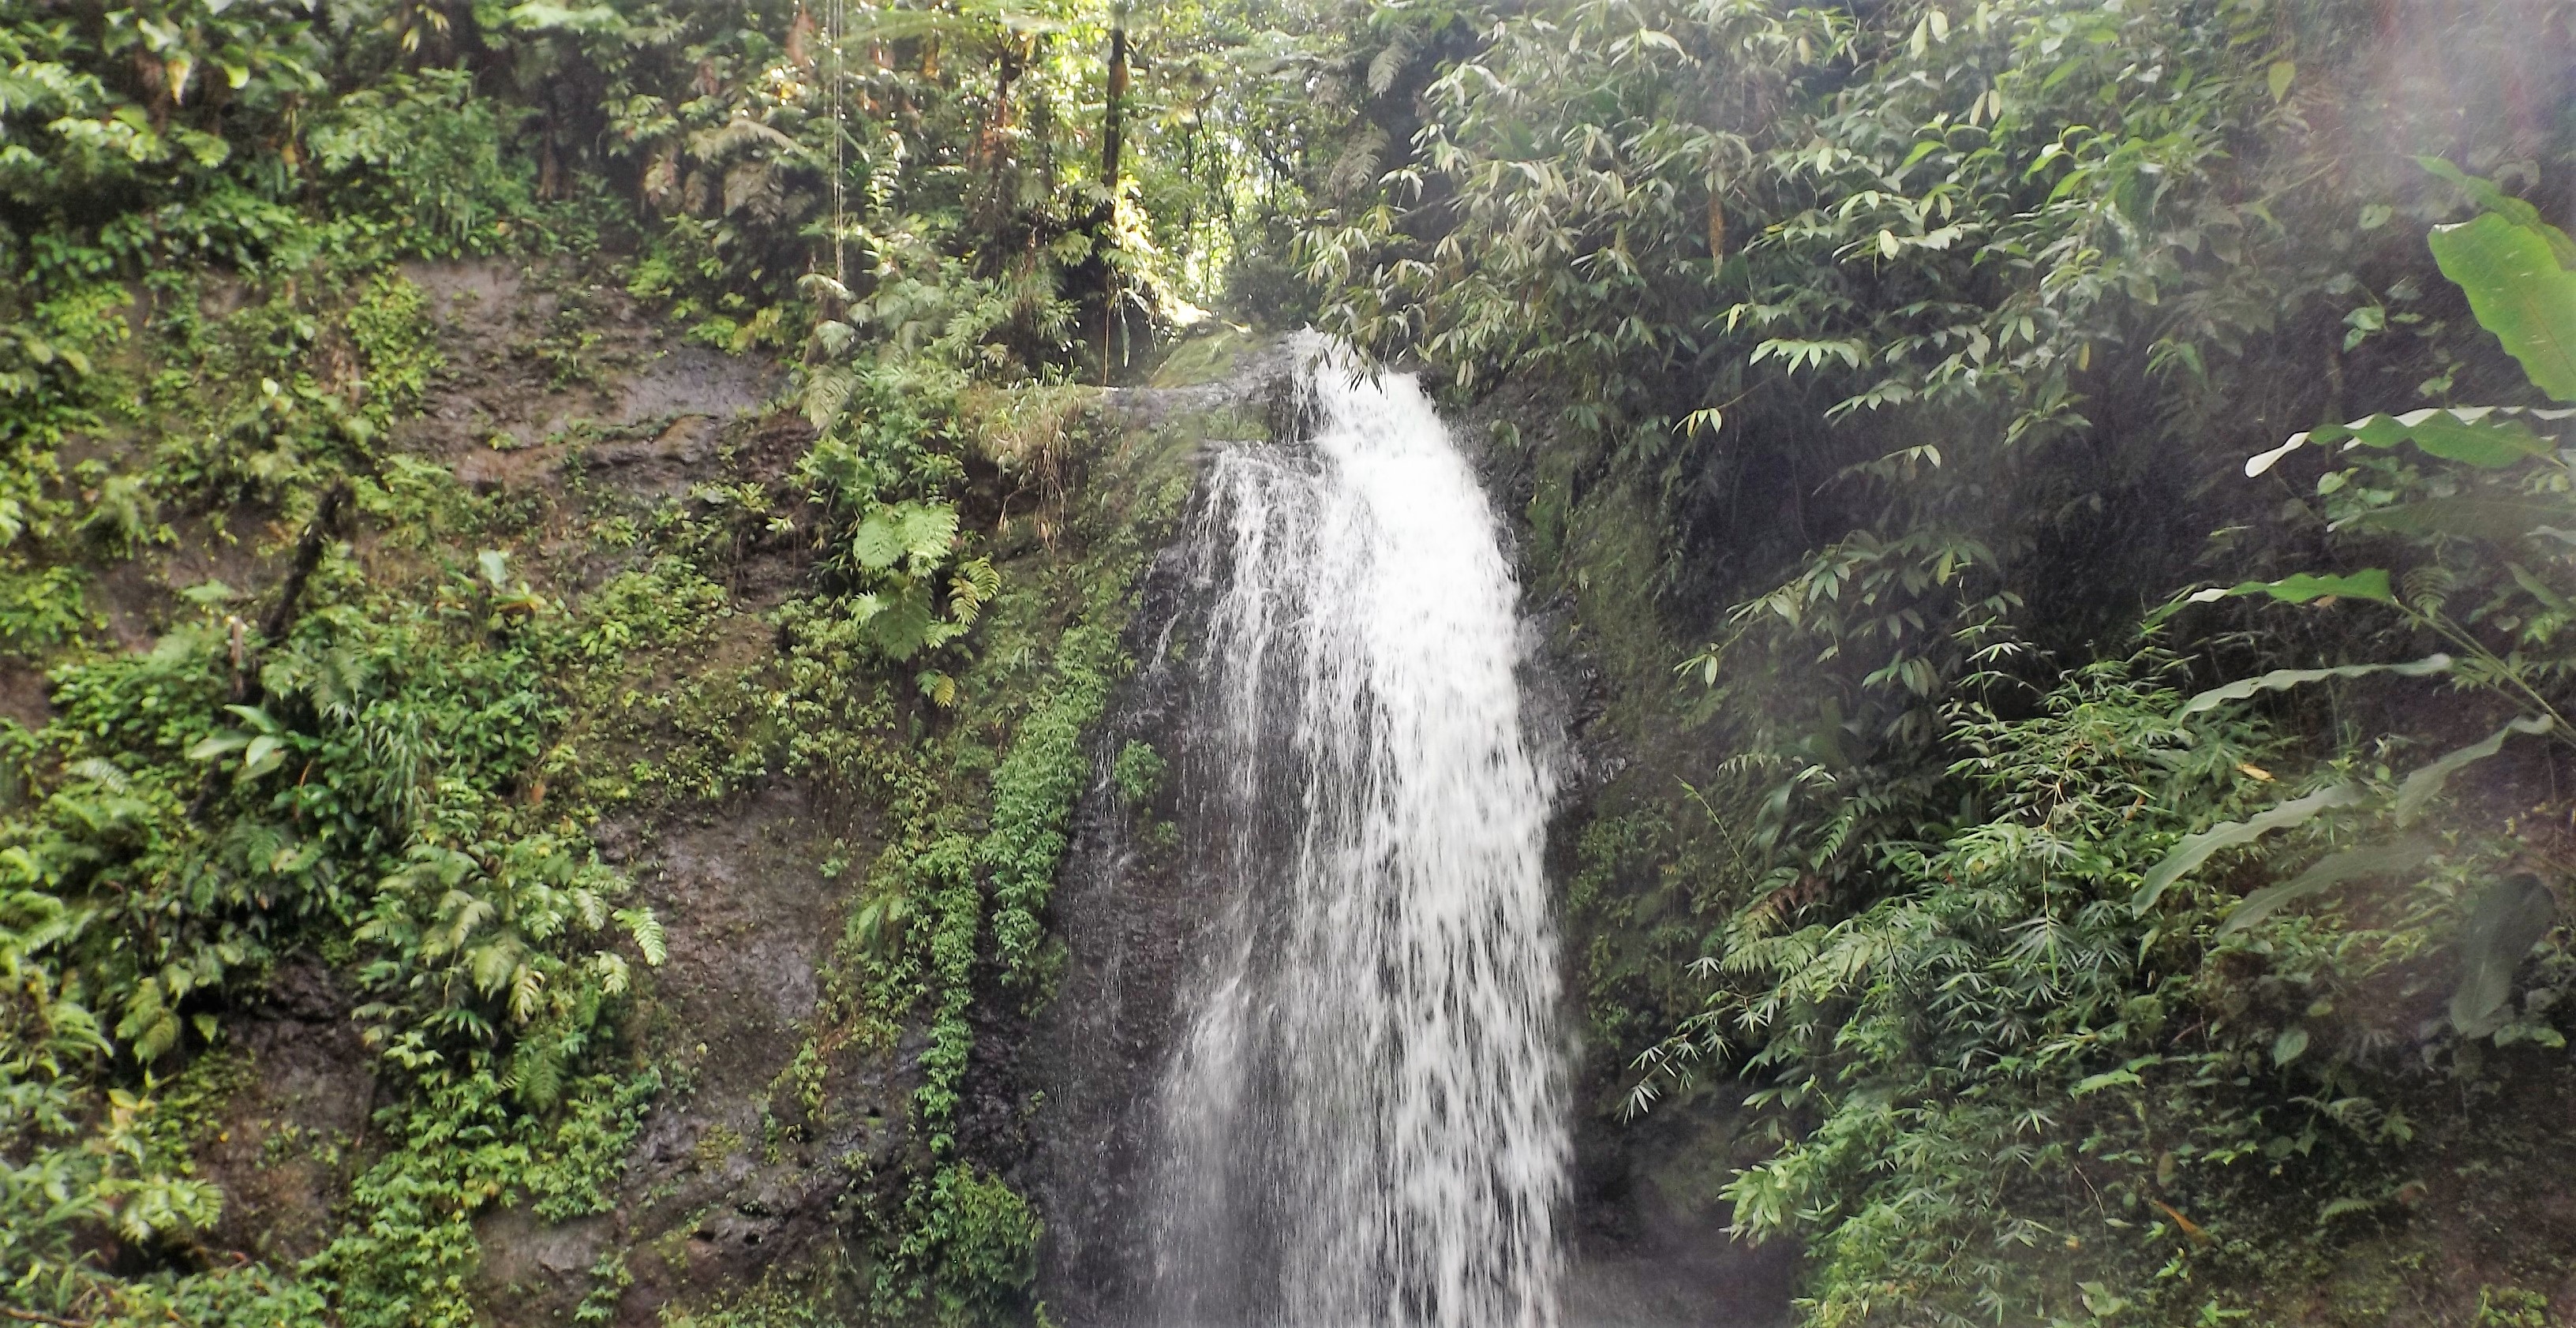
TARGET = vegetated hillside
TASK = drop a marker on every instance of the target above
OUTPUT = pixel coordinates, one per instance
(539, 742)
(512, 882)
(1878, 387)
(554, 573)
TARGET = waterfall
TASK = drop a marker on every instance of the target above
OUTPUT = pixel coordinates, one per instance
(1362, 1122)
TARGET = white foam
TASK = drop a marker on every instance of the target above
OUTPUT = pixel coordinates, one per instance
(1364, 1121)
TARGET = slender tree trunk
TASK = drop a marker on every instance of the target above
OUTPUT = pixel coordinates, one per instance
(997, 196)
(1102, 273)
(1113, 128)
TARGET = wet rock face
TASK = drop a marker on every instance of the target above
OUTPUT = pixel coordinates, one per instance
(731, 1175)
(290, 1136)
(1126, 915)
(566, 395)
(750, 923)
(1124, 911)
(535, 358)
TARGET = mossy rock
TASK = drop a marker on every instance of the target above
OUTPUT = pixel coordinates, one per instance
(1208, 356)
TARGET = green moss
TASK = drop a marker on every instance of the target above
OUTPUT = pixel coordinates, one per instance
(781, 1302)
(1207, 357)
(1034, 789)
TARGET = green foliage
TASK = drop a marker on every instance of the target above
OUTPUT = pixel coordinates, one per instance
(180, 843)
(1931, 341)
(1138, 772)
(1903, 352)
(1764, 249)
(980, 1238)
(409, 1255)
(2511, 1307)
(2114, 1069)
(1033, 793)
(2517, 301)
(2473, 527)
(84, 1160)
(367, 785)
(41, 609)
(422, 153)
(2009, 963)
(389, 328)
(387, 754)
(98, 130)
(2521, 281)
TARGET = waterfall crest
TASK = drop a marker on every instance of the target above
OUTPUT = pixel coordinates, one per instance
(1363, 1120)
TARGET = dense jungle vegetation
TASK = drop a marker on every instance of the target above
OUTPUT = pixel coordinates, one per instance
(2063, 503)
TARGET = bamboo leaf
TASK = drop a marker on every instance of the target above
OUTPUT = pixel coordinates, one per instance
(2421, 786)
(2326, 873)
(2370, 584)
(2508, 919)
(2092, 1084)
(2284, 679)
(2196, 849)
(2469, 518)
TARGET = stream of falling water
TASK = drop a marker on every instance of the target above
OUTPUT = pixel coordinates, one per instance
(1363, 1123)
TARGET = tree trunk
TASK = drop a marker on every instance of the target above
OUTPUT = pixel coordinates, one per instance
(1099, 275)
(1113, 128)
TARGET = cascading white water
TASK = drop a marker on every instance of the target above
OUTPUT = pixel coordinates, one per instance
(1363, 1122)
